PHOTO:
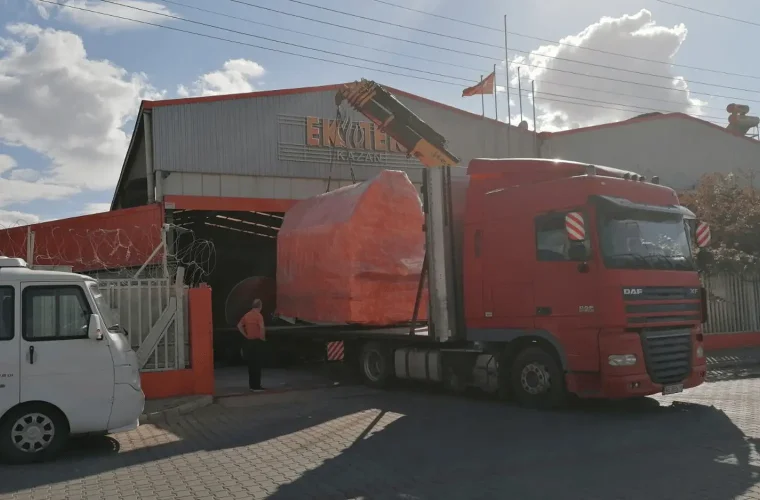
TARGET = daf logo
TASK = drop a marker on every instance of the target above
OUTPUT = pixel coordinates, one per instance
(633, 291)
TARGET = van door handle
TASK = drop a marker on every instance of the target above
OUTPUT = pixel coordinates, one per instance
(31, 354)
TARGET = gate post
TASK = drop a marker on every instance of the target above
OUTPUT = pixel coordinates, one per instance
(201, 339)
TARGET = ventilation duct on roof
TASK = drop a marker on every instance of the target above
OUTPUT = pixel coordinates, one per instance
(739, 122)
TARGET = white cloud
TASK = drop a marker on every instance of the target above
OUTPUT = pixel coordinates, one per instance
(95, 208)
(6, 163)
(101, 21)
(236, 76)
(12, 218)
(18, 185)
(60, 103)
(634, 35)
(24, 174)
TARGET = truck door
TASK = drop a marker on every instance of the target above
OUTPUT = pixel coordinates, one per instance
(9, 350)
(59, 363)
(564, 287)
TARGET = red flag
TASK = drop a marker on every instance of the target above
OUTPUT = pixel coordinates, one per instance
(486, 86)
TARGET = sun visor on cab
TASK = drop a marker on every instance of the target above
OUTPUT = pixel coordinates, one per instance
(614, 204)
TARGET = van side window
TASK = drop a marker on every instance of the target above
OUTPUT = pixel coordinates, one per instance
(552, 243)
(6, 313)
(55, 313)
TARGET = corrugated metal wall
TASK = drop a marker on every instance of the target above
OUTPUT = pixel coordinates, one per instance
(733, 304)
(678, 150)
(267, 136)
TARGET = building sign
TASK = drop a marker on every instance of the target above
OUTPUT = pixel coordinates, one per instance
(325, 140)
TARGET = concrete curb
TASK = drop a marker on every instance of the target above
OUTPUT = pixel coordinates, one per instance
(180, 409)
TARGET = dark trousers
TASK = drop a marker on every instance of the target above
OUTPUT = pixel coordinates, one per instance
(253, 354)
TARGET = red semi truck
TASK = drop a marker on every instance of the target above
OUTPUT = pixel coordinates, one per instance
(544, 278)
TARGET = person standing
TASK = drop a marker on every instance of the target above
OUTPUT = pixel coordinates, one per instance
(252, 327)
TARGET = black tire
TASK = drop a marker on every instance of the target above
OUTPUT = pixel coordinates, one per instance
(376, 364)
(537, 380)
(48, 428)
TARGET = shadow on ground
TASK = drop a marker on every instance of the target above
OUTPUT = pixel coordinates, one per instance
(417, 444)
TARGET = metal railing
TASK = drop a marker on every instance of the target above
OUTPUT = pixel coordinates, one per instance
(154, 317)
(733, 303)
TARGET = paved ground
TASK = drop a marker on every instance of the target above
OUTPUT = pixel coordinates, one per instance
(414, 444)
(230, 380)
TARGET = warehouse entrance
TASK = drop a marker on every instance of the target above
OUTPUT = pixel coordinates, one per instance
(243, 268)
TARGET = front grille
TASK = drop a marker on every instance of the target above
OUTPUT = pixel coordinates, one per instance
(663, 313)
(640, 314)
(667, 354)
(660, 293)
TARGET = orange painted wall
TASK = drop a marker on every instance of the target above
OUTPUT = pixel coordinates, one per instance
(199, 378)
(718, 341)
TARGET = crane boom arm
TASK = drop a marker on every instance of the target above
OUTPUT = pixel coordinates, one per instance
(398, 121)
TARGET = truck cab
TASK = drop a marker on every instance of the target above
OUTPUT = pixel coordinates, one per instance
(65, 366)
(591, 263)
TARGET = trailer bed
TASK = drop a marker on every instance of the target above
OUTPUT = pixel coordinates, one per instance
(344, 332)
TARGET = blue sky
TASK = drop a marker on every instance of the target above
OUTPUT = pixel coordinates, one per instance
(70, 82)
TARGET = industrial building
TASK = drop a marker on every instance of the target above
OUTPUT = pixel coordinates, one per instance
(676, 147)
(227, 167)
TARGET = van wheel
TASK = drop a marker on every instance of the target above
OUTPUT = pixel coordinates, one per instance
(537, 380)
(33, 433)
(375, 363)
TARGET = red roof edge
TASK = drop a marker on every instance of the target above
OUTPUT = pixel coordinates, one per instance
(304, 90)
(233, 97)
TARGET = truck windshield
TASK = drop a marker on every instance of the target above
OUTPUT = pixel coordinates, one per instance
(645, 240)
(110, 317)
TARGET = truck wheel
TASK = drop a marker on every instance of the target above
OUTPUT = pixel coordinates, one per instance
(537, 380)
(33, 433)
(376, 365)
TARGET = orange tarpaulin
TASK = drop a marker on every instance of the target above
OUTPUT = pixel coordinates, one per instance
(353, 255)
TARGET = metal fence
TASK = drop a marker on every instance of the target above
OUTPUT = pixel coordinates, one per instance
(733, 303)
(153, 311)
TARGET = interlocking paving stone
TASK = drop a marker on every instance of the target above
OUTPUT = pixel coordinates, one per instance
(418, 444)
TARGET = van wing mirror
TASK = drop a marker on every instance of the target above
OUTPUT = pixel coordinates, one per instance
(575, 226)
(703, 234)
(95, 328)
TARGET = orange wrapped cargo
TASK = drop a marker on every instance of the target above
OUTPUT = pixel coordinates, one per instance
(353, 255)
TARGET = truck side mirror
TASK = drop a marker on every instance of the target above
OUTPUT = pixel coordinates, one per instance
(95, 328)
(703, 234)
(577, 251)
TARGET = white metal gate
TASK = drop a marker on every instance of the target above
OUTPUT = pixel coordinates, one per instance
(153, 311)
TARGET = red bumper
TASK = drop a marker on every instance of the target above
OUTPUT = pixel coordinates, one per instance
(609, 386)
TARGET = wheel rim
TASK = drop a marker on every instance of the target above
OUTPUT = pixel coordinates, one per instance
(373, 365)
(535, 379)
(33, 433)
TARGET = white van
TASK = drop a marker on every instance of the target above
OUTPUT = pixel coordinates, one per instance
(65, 367)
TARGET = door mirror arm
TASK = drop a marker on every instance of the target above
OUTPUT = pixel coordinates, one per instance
(95, 328)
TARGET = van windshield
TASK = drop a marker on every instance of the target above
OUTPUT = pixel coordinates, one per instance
(110, 317)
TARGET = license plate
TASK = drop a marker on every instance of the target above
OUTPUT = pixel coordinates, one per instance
(672, 389)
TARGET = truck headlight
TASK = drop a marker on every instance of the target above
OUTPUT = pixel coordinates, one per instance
(622, 359)
(700, 351)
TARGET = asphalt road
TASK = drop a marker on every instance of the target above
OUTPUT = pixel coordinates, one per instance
(416, 444)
